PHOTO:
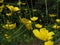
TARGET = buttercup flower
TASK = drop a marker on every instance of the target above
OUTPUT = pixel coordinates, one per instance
(58, 20)
(9, 26)
(16, 9)
(29, 26)
(12, 8)
(34, 18)
(52, 15)
(7, 36)
(49, 43)
(27, 23)
(38, 26)
(23, 3)
(8, 14)
(19, 3)
(43, 34)
(55, 26)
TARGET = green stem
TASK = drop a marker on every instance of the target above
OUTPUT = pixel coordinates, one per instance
(32, 7)
(18, 34)
(46, 10)
(29, 9)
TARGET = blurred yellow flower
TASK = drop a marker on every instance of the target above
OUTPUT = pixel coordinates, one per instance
(16, 9)
(23, 3)
(8, 14)
(49, 43)
(1, 1)
(58, 20)
(1, 8)
(34, 18)
(7, 36)
(55, 26)
(43, 34)
(19, 3)
(9, 26)
(27, 23)
(52, 15)
(38, 26)
(29, 26)
(34, 10)
(12, 8)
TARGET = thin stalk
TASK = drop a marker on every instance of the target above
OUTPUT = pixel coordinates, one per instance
(29, 9)
(32, 7)
(46, 10)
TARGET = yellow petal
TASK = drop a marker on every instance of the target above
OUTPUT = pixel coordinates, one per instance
(10, 7)
(50, 34)
(8, 14)
(52, 15)
(44, 30)
(29, 26)
(58, 20)
(55, 26)
(34, 18)
(9, 26)
(16, 9)
(49, 43)
(38, 26)
(25, 21)
(36, 33)
(19, 3)
(23, 3)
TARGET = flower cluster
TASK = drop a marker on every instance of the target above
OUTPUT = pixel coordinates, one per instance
(21, 23)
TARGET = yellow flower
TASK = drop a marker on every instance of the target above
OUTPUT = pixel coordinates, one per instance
(23, 3)
(12, 8)
(1, 8)
(27, 23)
(29, 26)
(1, 1)
(8, 14)
(55, 26)
(34, 10)
(43, 34)
(16, 9)
(38, 26)
(7, 36)
(58, 20)
(19, 3)
(52, 15)
(49, 43)
(9, 26)
(34, 18)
